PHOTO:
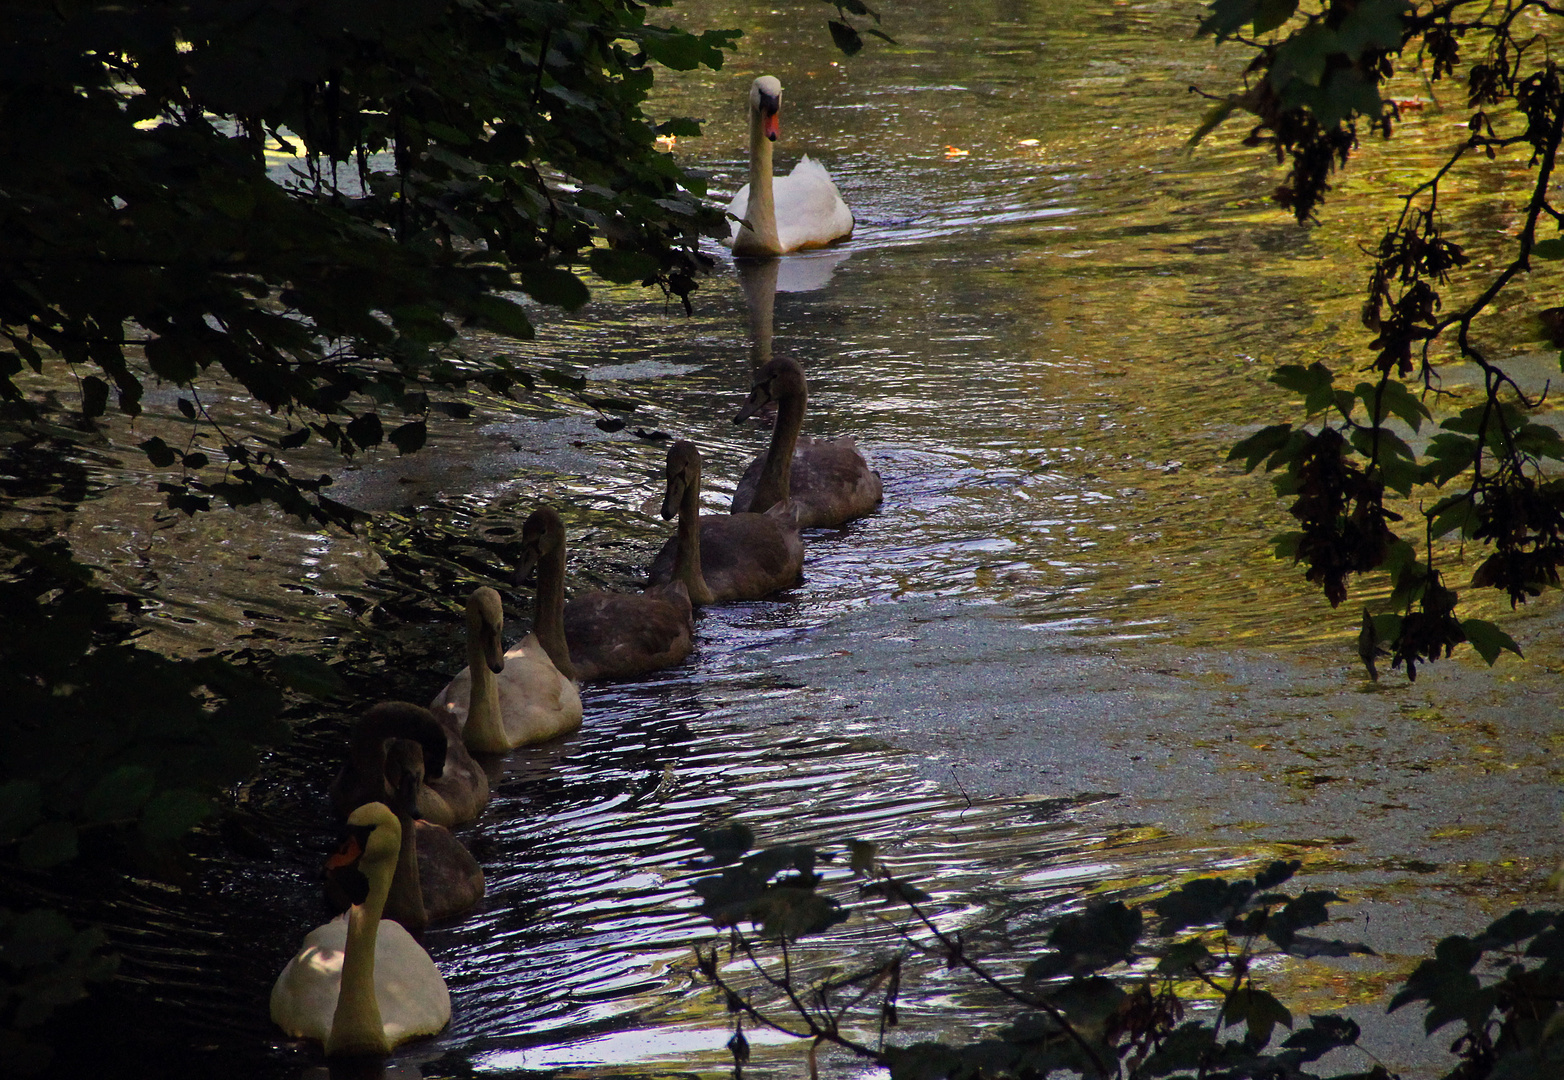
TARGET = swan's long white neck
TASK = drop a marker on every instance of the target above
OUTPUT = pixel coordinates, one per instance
(483, 731)
(356, 1027)
(759, 237)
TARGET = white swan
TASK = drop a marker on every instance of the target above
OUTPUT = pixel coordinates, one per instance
(359, 985)
(527, 695)
(776, 215)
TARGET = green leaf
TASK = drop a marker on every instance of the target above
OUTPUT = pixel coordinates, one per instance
(621, 266)
(1314, 383)
(21, 807)
(1540, 441)
(1394, 399)
(1373, 24)
(1262, 444)
(1227, 17)
(1303, 56)
(683, 51)
(1346, 92)
(1449, 455)
(50, 844)
(307, 675)
(1488, 639)
(502, 315)
(1269, 14)
(120, 794)
(171, 814)
(555, 286)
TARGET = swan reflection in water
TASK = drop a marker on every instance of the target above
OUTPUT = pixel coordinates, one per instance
(762, 279)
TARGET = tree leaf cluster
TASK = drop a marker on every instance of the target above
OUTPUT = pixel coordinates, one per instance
(1315, 73)
(845, 34)
(109, 755)
(1124, 991)
(451, 162)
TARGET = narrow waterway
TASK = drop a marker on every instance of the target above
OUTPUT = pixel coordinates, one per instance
(1059, 662)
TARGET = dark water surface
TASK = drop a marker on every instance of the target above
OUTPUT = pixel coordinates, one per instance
(1059, 662)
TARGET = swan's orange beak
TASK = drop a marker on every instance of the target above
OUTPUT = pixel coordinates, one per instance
(771, 126)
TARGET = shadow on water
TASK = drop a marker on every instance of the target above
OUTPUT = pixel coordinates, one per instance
(1058, 662)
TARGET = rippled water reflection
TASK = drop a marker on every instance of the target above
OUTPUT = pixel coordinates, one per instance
(1057, 662)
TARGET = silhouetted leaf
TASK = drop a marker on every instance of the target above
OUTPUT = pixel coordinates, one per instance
(158, 452)
(365, 430)
(846, 38)
(1262, 444)
(1324, 1034)
(727, 843)
(1103, 935)
(1202, 902)
(50, 844)
(622, 267)
(120, 794)
(94, 396)
(308, 675)
(1488, 639)
(409, 438)
(21, 807)
(171, 814)
(1259, 1010)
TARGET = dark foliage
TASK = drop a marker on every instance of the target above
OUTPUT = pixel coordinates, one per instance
(1107, 999)
(450, 156)
(1317, 76)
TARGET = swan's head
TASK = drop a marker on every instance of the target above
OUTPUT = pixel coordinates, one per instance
(542, 535)
(404, 720)
(374, 841)
(776, 379)
(404, 771)
(765, 101)
(486, 625)
(684, 474)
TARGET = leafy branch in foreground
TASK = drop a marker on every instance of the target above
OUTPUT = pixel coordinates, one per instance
(1318, 73)
(109, 756)
(430, 161)
(1162, 989)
